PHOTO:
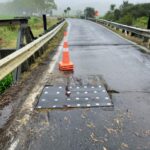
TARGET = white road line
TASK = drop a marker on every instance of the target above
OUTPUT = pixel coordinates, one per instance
(58, 53)
(56, 58)
(69, 28)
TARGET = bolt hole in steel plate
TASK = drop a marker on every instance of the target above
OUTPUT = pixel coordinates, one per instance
(77, 97)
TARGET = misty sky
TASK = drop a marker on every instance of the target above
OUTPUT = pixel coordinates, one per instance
(101, 5)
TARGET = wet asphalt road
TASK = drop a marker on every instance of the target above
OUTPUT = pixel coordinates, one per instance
(99, 57)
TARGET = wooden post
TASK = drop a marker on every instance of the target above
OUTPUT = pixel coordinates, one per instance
(148, 24)
(44, 23)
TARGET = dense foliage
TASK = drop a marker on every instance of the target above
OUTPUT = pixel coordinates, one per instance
(89, 12)
(128, 13)
(27, 7)
(5, 83)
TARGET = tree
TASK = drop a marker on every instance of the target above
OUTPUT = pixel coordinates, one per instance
(68, 10)
(89, 12)
(49, 5)
(30, 6)
(117, 14)
(109, 16)
(65, 12)
(112, 7)
(125, 5)
(148, 23)
(127, 19)
(128, 13)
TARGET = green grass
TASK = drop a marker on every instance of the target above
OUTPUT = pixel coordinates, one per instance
(8, 36)
(141, 22)
(6, 17)
(36, 24)
(8, 39)
(5, 83)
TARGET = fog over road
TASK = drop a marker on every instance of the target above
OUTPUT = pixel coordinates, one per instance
(100, 56)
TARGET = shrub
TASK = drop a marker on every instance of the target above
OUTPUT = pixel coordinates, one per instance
(141, 22)
(127, 19)
(5, 83)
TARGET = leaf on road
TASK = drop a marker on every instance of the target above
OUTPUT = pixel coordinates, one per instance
(65, 118)
(104, 148)
(83, 116)
(90, 125)
(79, 129)
(146, 133)
(124, 146)
(94, 138)
(117, 121)
(111, 130)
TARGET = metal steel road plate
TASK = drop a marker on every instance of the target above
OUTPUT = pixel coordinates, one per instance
(73, 97)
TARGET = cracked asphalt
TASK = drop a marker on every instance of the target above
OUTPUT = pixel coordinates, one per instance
(100, 57)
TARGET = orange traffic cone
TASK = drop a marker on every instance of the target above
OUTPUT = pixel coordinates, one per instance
(66, 64)
(65, 33)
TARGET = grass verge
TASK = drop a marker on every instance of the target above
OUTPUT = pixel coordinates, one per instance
(49, 51)
(8, 37)
(141, 22)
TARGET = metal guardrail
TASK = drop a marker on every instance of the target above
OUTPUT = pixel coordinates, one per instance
(138, 31)
(14, 60)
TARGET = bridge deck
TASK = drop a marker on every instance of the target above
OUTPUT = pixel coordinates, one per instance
(100, 57)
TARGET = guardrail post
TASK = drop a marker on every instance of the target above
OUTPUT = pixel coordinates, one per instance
(125, 32)
(20, 43)
(131, 34)
(25, 33)
(148, 45)
(44, 23)
(148, 24)
(117, 28)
